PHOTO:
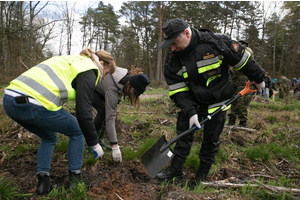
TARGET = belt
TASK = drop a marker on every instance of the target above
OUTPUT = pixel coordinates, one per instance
(21, 97)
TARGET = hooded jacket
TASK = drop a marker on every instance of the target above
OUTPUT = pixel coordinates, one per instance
(111, 88)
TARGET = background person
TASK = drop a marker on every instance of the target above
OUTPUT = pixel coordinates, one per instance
(35, 99)
(268, 85)
(239, 108)
(299, 89)
(284, 87)
(106, 98)
(196, 70)
(294, 85)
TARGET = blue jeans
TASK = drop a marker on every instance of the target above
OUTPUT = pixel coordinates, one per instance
(46, 124)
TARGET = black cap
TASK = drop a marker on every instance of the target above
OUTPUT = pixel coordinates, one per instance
(171, 29)
(139, 82)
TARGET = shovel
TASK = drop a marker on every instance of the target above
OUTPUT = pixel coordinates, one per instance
(159, 154)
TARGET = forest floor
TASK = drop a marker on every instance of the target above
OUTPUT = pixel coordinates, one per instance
(127, 180)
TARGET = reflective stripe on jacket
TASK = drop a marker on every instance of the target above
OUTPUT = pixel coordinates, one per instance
(50, 82)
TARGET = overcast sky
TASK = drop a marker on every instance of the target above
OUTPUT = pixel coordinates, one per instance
(82, 6)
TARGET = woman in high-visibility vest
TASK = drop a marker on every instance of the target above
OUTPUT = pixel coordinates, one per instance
(35, 99)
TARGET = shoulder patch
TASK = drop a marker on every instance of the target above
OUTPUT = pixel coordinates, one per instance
(236, 47)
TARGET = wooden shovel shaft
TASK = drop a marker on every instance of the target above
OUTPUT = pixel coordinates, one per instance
(242, 93)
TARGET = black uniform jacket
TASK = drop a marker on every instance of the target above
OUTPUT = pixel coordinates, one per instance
(199, 75)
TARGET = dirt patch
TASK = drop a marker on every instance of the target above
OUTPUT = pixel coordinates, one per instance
(105, 179)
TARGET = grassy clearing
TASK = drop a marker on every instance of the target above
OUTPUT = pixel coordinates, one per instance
(276, 142)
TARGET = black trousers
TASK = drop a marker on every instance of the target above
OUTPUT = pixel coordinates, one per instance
(211, 137)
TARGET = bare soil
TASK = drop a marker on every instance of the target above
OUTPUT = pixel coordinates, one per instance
(105, 180)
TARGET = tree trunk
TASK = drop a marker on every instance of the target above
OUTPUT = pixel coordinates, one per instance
(274, 54)
(158, 76)
(3, 63)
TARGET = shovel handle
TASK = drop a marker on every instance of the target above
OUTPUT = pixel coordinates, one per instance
(191, 130)
(175, 139)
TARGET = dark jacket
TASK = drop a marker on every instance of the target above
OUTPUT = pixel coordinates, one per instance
(268, 82)
(199, 75)
(84, 84)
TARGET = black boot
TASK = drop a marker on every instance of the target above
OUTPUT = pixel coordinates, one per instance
(101, 135)
(242, 124)
(202, 172)
(231, 121)
(74, 179)
(43, 183)
(173, 170)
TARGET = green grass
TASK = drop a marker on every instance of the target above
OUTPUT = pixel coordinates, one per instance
(129, 153)
(62, 143)
(79, 193)
(266, 152)
(2, 90)
(158, 90)
(193, 158)
(90, 160)
(20, 150)
(8, 191)
(277, 105)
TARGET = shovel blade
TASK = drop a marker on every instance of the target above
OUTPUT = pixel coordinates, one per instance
(153, 160)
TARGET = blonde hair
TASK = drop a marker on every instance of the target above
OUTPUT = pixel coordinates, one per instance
(108, 61)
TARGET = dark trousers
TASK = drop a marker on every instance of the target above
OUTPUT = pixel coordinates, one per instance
(99, 105)
(211, 137)
(270, 93)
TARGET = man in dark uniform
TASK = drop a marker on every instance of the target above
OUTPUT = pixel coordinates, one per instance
(196, 70)
(239, 108)
(284, 87)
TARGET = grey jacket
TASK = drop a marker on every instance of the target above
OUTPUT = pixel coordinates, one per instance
(112, 90)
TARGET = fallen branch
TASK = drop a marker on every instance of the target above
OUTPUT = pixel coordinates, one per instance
(228, 185)
(118, 196)
(262, 175)
(240, 128)
(266, 186)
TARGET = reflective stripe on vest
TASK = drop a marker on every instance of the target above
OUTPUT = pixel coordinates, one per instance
(243, 61)
(178, 87)
(41, 89)
(212, 108)
(63, 93)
